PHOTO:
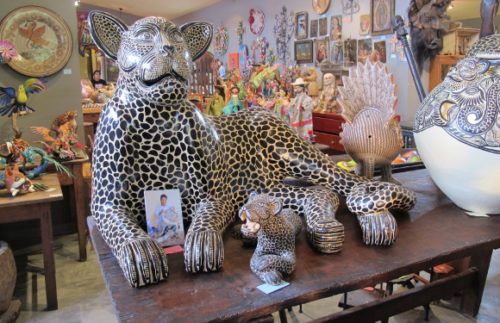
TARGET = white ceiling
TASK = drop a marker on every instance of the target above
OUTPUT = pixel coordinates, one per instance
(169, 9)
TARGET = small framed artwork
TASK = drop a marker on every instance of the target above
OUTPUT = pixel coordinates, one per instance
(381, 12)
(380, 50)
(364, 25)
(321, 51)
(364, 50)
(350, 52)
(164, 216)
(303, 51)
(337, 50)
(301, 24)
(336, 28)
(233, 61)
(313, 33)
(323, 26)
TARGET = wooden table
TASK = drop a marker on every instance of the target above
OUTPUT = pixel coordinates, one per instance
(435, 231)
(77, 198)
(36, 206)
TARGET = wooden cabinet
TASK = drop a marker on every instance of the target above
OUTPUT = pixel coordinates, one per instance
(440, 65)
(327, 128)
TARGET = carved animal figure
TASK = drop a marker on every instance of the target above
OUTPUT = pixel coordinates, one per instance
(151, 137)
(371, 133)
(426, 19)
(276, 229)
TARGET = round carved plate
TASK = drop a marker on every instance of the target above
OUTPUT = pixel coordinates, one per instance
(42, 39)
(320, 6)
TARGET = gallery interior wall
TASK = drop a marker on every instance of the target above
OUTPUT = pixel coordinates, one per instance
(63, 89)
(229, 12)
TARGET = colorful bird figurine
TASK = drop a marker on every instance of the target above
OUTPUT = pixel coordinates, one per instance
(12, 101)
(7, 51)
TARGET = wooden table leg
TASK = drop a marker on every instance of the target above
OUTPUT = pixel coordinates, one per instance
(78, 187)
(48, 257)
(472, 297)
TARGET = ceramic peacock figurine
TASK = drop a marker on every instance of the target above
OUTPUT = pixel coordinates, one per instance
(371, 134)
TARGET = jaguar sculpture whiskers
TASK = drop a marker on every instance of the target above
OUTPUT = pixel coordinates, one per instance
(276, 229)
(151, 137)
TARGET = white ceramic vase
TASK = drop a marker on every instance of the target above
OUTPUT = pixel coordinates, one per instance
(457, 130)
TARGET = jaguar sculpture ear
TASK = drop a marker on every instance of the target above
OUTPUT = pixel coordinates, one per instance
(276, 205)
(106, 31)
(198, 36)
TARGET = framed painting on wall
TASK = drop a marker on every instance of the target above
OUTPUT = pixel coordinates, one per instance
(323, 26)
(337, 50)
(321, 50)
(350, 52)
(313, 32)
(301, 24)
(380, 50)
(364, 25)
(233, 61)
(303, 51)
(381, 12)
(42, 39)
(364, 50)
(336, 28)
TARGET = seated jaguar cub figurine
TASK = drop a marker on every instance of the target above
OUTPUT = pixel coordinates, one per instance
(150, 137)
(276, 229)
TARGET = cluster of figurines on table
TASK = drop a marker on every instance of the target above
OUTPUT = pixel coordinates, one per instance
(292, 95)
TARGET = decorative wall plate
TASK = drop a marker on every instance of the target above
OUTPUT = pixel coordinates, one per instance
(320, 6)
(256, 21)
(42, 39)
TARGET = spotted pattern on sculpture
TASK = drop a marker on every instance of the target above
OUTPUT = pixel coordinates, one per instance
(150, 137)
(276, 229)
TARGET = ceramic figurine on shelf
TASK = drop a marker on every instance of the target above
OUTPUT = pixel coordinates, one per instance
(149, 125)
(215, 104)
(281, 105)
(371, 134)
(276, 229)
(234, 104)
(235, 80)
(61, 139)
(311, 77)
(300, 110)
(327, 98)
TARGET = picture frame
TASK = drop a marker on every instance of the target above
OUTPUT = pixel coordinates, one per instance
(381, 49)
(337, 52)
(45, 54)
(321, 50)
(301, 25)
(365, 48)
(381, 14)
(313, 31)
(233, 61)
(303, 51)
(364, 25)
(320, 6)
(323, 26)
(336, 28)
(164, 216)
(350, 52)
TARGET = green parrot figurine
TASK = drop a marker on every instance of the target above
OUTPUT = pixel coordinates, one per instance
(12, 101)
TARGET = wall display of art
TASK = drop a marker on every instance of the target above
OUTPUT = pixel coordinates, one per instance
(301, 24)
(381, 51)
(320, 6)
(336, 27)
(256, 19)
(381, 13)
(350, 52)
(283, 32)
(321, 50)
(221, 41)
(313, 32)
(364, 25)
(364, 49)
(303, 51)
(42, 39)
(323, 26)
(337, 50)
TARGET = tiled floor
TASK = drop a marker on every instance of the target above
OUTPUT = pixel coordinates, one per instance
(83, 296)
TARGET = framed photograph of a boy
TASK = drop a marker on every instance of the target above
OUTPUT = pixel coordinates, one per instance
(303, 51)
(164, 216)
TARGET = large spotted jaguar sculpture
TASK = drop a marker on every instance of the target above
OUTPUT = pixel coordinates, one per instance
(275, 229)
(151, 137)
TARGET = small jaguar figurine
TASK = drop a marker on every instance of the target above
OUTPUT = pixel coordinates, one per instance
(276, 229)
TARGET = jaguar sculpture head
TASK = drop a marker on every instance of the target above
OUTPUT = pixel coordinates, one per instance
(258, 211)
(154, 55)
